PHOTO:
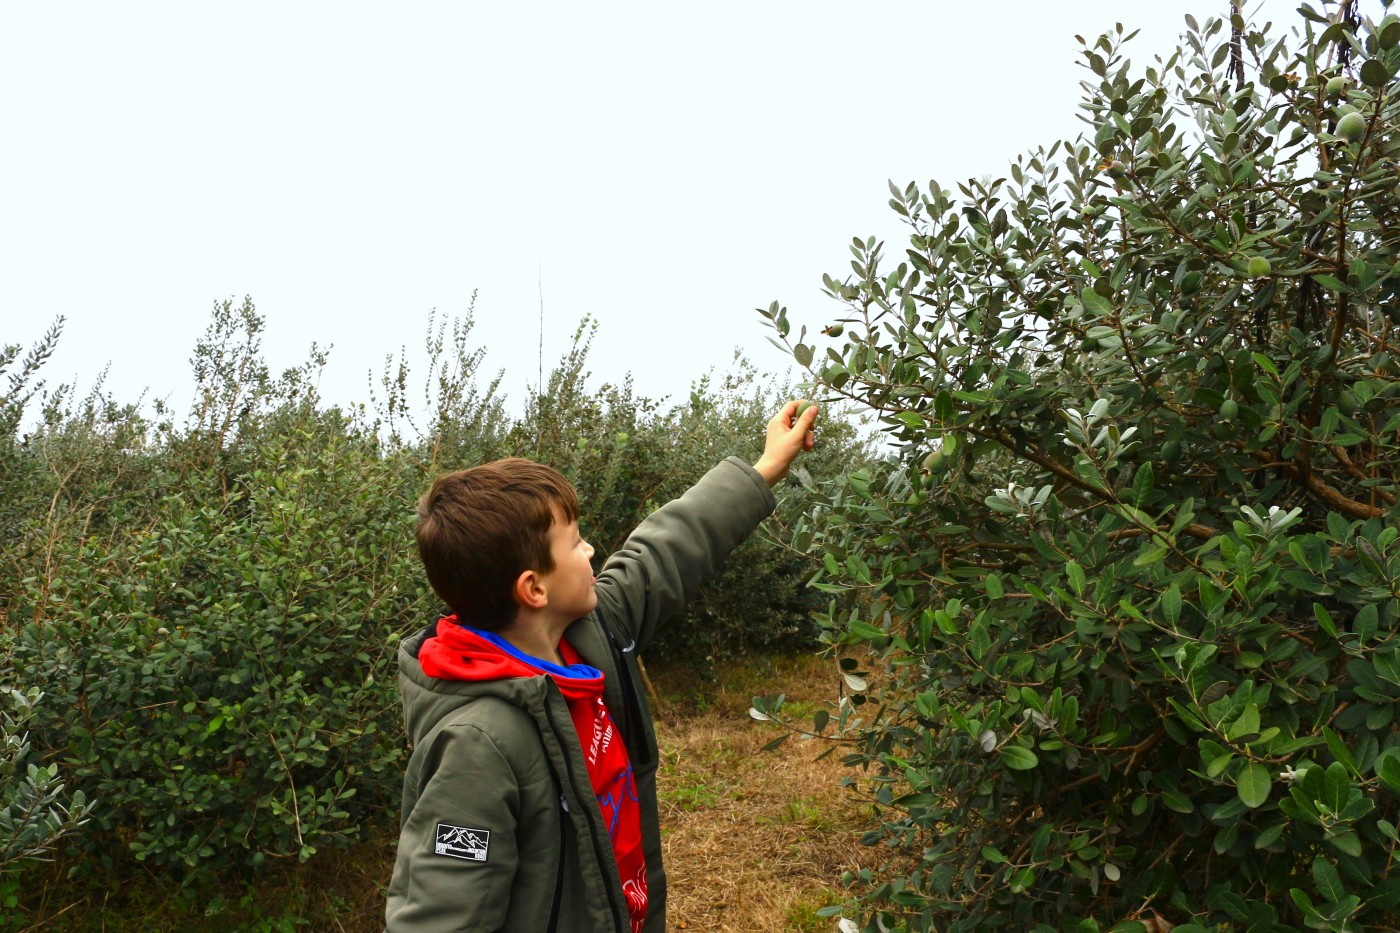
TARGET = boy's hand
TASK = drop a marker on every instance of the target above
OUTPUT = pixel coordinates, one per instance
(789, 433)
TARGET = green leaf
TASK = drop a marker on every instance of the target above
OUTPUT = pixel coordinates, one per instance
(1177, 801)
(1094, 303)
(1329, 883)
(1225, 839)
(1387, 664)
(1305, 904)
(1324, 620)
(1077, 579)
(1269, 835)
(1217, 766)
(1021, 881)
(867, 632)
(1348, 842)
(1253, 785)
(1337, 787)
(943, 406)
(1143, 483)
(1387, 768)
(1171, 605)
(1246, 724)
(1214, 692)
(1374, 73)
(1340, 751)
(1018, 758)
(1331, 284)
(1152, 556)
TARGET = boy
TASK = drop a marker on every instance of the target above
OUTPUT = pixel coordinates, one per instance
(529, 802)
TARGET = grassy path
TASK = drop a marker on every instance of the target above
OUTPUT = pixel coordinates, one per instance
(755, 841)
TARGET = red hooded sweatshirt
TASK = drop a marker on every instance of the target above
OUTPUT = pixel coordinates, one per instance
(461, 653)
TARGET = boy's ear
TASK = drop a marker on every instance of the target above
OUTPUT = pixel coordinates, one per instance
(529, 591)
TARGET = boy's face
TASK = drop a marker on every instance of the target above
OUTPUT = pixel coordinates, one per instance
(570, 584)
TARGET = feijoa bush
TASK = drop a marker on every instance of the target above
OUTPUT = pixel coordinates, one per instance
(1131, 578)
(210, 612)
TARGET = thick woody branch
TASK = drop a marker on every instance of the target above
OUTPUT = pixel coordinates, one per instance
(1318, 488)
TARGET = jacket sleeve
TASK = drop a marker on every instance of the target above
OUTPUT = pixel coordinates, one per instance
(673, 551)
(469, 786)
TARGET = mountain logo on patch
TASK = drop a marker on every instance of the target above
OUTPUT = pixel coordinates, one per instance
(461, 842)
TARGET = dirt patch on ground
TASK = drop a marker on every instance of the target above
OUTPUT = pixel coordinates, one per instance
(755, 841)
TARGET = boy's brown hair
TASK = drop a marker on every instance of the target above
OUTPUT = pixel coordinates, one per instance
(479, 529)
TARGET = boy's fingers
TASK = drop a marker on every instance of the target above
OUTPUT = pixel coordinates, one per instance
(805, 423)
(797, 417)
(799, 411)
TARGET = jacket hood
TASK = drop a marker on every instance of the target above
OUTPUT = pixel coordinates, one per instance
(459, 653)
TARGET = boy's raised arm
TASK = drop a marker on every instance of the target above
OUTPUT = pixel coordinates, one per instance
(662, 564)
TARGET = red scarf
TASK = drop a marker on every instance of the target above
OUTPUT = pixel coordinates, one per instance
(460, 653)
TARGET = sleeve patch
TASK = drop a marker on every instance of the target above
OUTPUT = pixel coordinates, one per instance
(461, 842)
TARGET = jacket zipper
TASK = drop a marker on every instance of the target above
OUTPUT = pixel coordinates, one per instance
(559, 877)
(632, 707)
(590, 813)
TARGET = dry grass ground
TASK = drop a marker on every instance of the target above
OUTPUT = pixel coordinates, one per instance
(755, 841)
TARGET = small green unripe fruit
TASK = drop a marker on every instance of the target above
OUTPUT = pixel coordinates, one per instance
(935, 462)
(1088, 343)
(834, 330)
(1171, 451)
(1259, 267)
(1117, 169)
(1336, 85)
(1352, 127)
(801, 407)
(1229, 409)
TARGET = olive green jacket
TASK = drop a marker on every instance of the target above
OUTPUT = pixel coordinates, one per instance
(500, 830)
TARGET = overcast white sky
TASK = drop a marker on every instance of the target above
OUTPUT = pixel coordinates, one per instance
(664, 168)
